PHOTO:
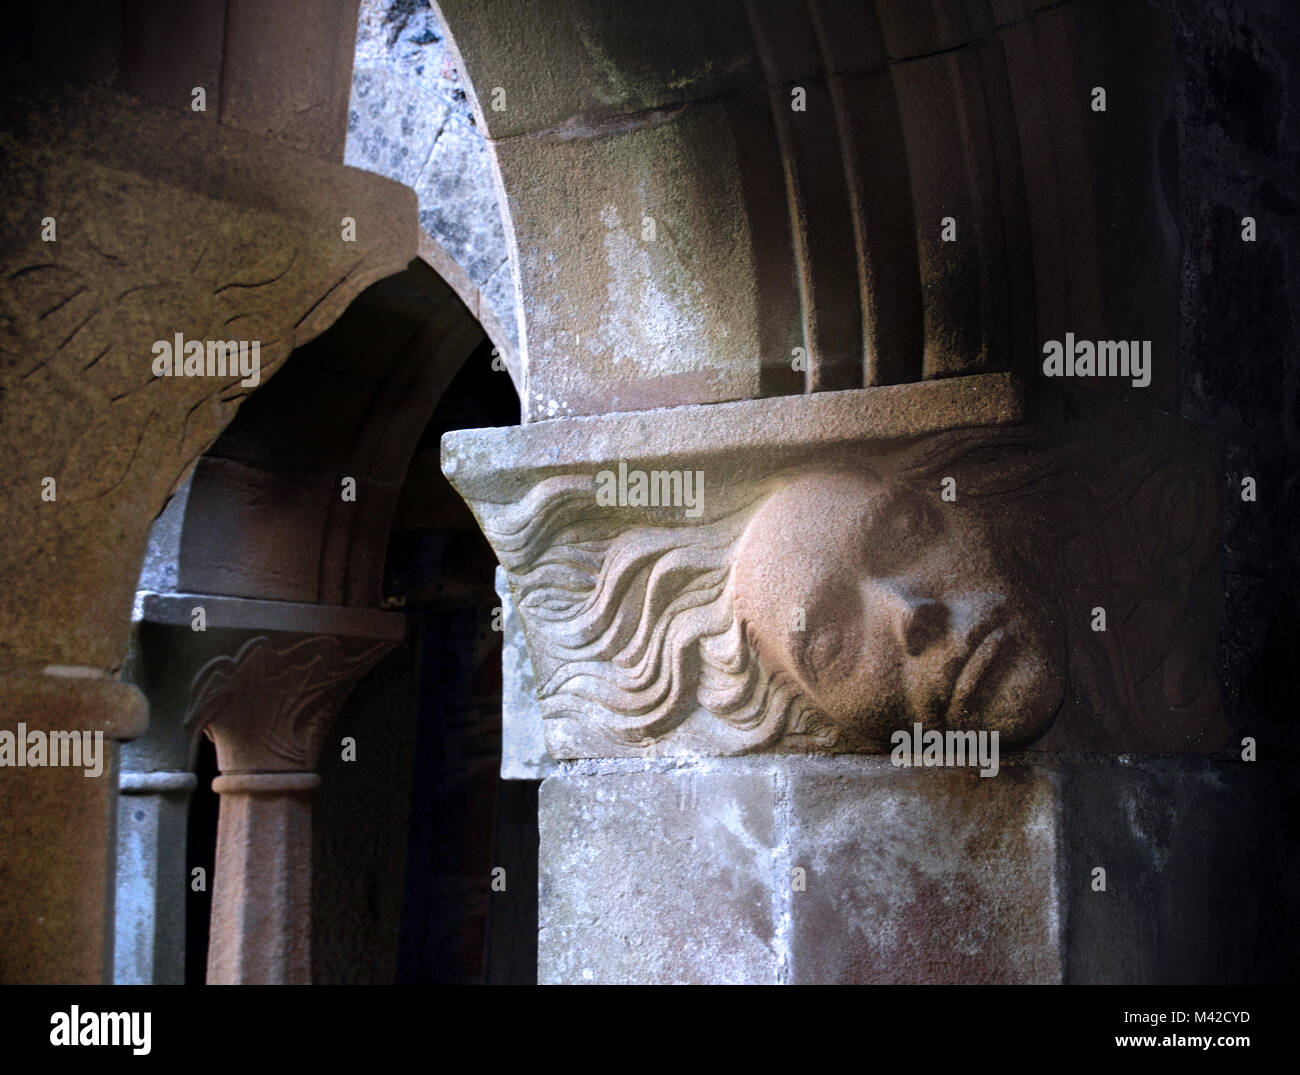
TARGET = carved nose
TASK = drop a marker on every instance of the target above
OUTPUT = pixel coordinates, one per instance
(924, 624)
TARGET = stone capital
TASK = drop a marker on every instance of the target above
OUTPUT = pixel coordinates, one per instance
(820, 572)
(268, 707)
(263, 678)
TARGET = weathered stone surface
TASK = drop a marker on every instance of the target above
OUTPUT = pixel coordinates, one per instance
(523, 744)
(458, 201)
(815, 573)
(479, 462)
(392, 126)
(603, 62)
(163, 228)
(152, 877)
(616, 320)
(56, 830)
(412, 118)
(889, 189)
(663, 877)
(1238, 138)
(919, 876)
(172, 48)
(849, 870)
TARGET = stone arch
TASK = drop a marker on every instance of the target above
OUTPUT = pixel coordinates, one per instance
(280, 537)
(350, 405)
(411, 117)
(816, 224)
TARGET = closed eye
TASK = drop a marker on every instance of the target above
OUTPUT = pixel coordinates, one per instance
(820, 651)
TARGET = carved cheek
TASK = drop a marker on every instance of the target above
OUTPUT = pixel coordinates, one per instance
(843, 666)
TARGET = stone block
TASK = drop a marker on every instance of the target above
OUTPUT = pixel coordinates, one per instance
(602, 61)
(392, 125)
(458, 199)
(286, 72)
(617, 320)
(57, 845)
(658, 877)
(923, 876)
(850, 870)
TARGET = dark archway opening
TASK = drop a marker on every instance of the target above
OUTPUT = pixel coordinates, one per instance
(404, 857)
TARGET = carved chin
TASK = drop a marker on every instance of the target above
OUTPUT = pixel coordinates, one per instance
(1006, 687)
(1012, 690)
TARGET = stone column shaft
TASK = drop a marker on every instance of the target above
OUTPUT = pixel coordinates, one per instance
(261, 899)
(152, 874)
(263, 681)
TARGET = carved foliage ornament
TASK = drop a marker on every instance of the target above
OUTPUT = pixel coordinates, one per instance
(269, 706)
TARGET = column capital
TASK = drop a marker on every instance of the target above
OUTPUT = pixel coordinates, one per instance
(191, 677)
(818, 573)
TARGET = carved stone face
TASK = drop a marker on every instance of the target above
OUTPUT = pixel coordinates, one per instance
(912, 609)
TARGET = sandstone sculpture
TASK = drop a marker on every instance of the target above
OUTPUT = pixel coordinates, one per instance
(968, 562)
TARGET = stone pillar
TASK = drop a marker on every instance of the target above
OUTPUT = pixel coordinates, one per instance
(730, 608)
(154, 227)
(789, 871)
(266, 698)
(156, 784)
(850, 870)
(263, 679)
(57, 821)
(261, 903)
(152, 876)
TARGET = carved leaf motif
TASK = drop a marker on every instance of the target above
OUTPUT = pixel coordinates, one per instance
(280, 695)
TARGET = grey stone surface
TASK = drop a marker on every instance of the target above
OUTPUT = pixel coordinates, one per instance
(663, 877)
(498, 293)
(152, 882)
(458, 202)
(660, 870)
(494, 464)
(617, 321)
(411, 117)
(159, 570)
(924, 876)
(523, 745)
(393, 125)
